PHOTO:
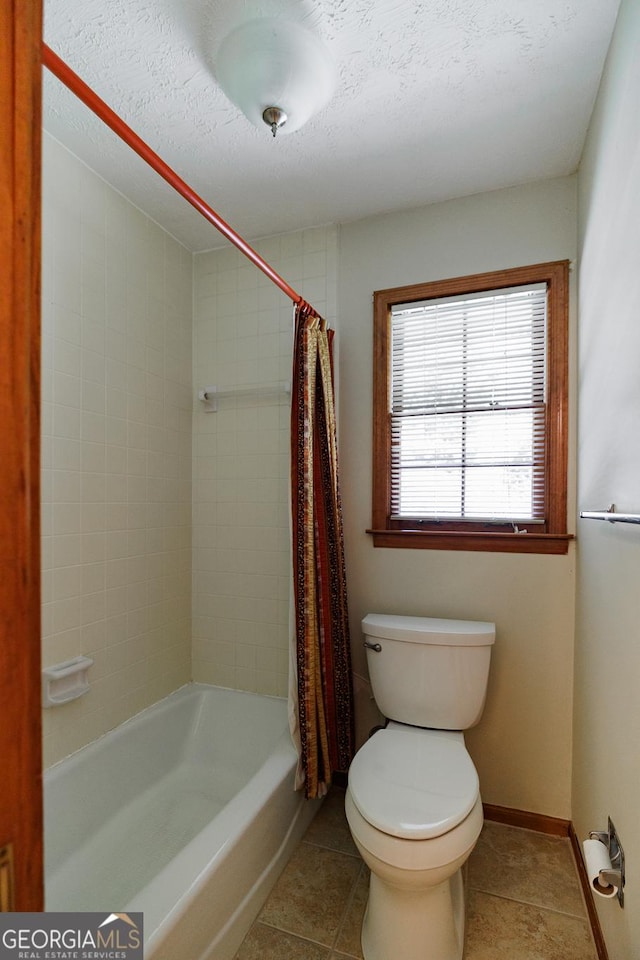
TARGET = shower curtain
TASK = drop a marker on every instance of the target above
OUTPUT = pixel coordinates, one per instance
(321, 697)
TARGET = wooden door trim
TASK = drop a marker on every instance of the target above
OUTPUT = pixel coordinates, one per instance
(20, 729)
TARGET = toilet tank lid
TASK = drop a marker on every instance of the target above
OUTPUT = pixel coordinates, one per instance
(464, 633)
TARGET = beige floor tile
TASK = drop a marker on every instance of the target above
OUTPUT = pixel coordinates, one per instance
(310, 897)
(348, 940)
(524, 900)
(499, 929)
(266, 943)
(523, 865)
(330, 828)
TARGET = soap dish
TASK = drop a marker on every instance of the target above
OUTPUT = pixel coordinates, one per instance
(65, 681)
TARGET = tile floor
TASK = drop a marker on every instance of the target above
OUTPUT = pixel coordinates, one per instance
(524, 898)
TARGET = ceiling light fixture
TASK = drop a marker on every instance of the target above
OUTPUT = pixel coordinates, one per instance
(277, 72)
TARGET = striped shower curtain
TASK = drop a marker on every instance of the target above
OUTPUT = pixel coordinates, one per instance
(321, 698)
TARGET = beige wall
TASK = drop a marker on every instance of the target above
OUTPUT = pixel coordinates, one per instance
(116, 451)
(522, 746)
(243, 338)
(607, 679)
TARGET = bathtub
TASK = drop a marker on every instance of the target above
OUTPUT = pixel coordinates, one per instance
(186, 812)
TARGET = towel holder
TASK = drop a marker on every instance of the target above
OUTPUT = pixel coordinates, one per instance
(209, 396)
(610, 515)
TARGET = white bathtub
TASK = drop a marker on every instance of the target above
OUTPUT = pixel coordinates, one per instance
(186, 812)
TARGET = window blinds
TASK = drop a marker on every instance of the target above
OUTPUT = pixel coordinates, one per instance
(468, 407)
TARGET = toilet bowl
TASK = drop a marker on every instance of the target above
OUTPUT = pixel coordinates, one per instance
(415, 814)
(413, 799)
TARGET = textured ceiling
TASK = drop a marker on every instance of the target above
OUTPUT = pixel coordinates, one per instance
(434, 100)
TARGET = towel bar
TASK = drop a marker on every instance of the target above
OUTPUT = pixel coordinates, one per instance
(610, 515)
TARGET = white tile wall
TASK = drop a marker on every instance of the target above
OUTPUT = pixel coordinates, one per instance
(116, 450)
(243, 329)
(120, 526)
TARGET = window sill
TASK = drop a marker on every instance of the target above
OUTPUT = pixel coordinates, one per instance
(550, 543)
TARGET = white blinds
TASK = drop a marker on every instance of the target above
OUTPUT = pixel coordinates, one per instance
(468, 407)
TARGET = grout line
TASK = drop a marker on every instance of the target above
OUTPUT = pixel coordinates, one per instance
(530, 903)
(298, 936)
(349, 901)
(291, 933)
(325, 846)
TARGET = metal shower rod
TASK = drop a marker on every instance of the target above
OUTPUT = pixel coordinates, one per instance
(65, 74)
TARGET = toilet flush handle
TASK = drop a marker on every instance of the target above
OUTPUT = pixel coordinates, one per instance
(372, 646)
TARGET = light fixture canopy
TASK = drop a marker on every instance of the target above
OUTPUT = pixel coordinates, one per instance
(277, 72)
(275, 118)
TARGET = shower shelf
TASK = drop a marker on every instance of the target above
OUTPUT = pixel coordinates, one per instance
(63, 682)
(209, 396)
(610, 515)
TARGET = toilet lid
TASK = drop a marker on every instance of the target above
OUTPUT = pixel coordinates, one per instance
(413, 783)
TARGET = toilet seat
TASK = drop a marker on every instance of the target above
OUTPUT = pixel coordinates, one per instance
(413, 783)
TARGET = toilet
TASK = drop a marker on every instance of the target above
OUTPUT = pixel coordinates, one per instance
(413, 798)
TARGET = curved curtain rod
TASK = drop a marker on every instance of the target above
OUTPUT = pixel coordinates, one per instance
(65, 74)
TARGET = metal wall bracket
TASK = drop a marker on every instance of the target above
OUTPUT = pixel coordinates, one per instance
(207, 397)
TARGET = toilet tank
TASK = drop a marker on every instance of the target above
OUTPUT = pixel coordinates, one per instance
(429, 672)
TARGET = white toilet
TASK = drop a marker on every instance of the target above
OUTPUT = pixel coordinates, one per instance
(413, 800)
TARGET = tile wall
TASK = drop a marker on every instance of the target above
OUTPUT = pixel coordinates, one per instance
(243, 340)
(116, 450)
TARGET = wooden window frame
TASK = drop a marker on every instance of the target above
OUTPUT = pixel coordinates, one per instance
(550, 538)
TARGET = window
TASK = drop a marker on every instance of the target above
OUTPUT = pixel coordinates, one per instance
(470, 412)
